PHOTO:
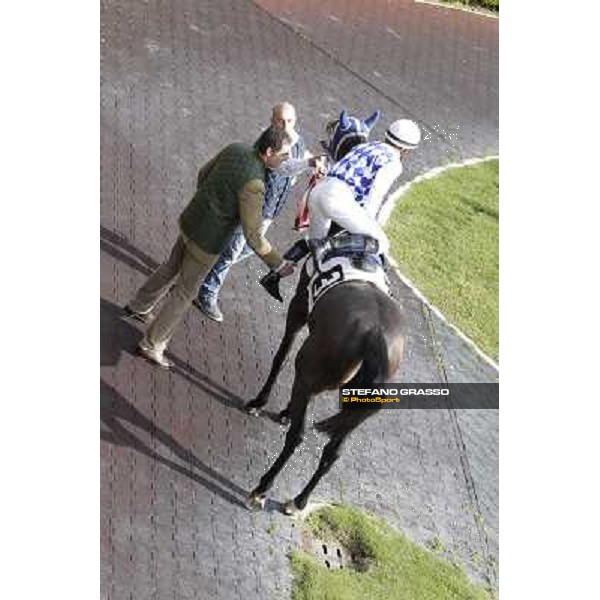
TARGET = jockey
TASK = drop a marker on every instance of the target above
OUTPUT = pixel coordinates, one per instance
(343, 134)
(352, 193)
(350, 198)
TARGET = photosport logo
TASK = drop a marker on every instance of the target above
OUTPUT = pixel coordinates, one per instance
(422, 395)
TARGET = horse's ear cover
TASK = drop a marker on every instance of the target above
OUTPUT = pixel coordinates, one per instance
(344, 121)
(371, 121)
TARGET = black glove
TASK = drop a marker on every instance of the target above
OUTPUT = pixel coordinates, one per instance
(299, 250)
(271, 283)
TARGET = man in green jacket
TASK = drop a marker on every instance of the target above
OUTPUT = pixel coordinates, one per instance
(230, 192)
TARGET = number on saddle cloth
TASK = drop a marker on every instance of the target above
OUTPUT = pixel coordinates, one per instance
(326, 279)
(326, 272)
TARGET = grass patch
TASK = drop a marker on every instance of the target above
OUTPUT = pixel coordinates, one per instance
(491, 5)
(444, 236)
(389, 566)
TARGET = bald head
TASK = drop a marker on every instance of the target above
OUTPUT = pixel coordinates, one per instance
(284, 117)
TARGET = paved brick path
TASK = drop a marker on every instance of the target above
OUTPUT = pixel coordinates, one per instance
(179, 80)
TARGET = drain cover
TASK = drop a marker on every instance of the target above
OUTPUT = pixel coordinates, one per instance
(332, 554)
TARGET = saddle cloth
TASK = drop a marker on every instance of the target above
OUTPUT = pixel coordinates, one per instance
(324, 275)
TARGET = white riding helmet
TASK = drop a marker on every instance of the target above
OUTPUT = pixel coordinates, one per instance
(403, 133)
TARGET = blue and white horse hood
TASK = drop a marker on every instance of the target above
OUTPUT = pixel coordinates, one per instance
(346, 132)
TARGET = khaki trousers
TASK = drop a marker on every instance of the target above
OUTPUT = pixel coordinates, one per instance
(186, 270)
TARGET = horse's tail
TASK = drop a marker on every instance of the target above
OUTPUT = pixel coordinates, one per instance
(375, 366)
(374, 369)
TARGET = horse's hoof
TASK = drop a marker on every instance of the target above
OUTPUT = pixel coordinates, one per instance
(290, 509)
(283, 418)
(254, 407)
(256, 501)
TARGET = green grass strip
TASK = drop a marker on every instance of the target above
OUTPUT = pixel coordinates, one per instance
(491, 5)
(396, 568)
(444, 236)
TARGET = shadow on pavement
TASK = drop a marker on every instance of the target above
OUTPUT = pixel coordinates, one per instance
(118, 247)
(115, 410)
(118, 334)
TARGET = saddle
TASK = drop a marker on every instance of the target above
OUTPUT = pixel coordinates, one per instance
(333, 260)
(362, 249)
(347, 257)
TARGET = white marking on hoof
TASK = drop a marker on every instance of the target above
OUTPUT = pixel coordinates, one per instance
(256, 501)
(290, 509)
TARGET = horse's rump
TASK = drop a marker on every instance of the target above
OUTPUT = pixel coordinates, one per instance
(374, 369)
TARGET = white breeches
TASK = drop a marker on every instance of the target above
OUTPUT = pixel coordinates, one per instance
(333, 200)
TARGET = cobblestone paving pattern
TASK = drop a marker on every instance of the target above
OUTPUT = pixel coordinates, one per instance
(180, 80)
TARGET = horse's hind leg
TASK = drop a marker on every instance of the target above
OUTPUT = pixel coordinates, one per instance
(295, 434)
(296, 319)
(338, 427)
(310, 379)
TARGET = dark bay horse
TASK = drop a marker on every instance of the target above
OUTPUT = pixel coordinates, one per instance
(355, 338)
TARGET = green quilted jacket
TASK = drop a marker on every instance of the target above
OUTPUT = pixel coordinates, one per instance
(213, 213)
